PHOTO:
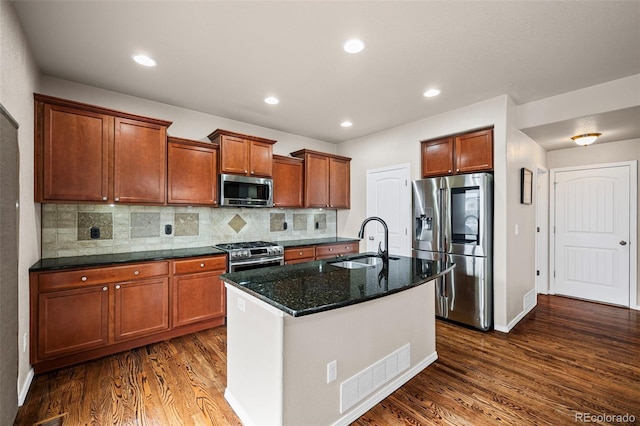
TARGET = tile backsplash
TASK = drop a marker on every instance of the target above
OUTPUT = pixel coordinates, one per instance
(67, 228)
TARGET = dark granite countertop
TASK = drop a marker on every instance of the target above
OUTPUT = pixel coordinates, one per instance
(116, 258)
(316, 242)
(313, 287)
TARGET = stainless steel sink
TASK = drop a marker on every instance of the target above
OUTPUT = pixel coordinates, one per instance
(348, 264)
(359, 262)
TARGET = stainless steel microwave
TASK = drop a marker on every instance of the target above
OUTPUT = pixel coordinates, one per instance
(245, 191)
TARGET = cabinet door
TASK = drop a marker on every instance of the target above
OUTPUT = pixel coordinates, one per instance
(141, 308)
(287, 182)
(437, 157)
(197, 297)
(261, 159)
(140, 162)
(75, 155)
(299, 255)
(72, 321)
(474, 151)
(192, 174)
(316, 181)
(339, 184)
(234, 155)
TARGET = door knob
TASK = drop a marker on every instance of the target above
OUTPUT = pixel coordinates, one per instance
(623, 243)
(371, 238)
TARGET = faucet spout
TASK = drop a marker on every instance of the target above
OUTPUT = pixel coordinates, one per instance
(384, 254)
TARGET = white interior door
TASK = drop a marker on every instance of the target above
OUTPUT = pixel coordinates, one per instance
(389, 197)
(592, 239)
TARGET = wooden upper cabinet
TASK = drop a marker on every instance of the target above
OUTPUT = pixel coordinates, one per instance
(244, 154)
(139, 162)
(327, 179)
(437, 157)
(89, 154)
(463, 153)
(192, 172)
(339, 183)
(74, 154)
(288, 179)
(474, 151)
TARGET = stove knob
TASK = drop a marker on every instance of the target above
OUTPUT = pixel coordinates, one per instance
(246, 253)
(233, 255)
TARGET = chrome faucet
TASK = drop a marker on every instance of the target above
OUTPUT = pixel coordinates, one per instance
(384, 254)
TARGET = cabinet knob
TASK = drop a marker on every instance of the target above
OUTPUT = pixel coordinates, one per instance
(83, 279)
(202, 265)
(457, 170)
(245, 171)
(347, 248)
(448, 171)
(117, 199)
(136, 272)
(104, 288)
(104, 198)
(118, 287)
(330, 249)
(300, 253)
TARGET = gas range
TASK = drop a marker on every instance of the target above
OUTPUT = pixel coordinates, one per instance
(252, 255)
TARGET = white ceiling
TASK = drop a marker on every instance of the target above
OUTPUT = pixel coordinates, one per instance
(224, 57)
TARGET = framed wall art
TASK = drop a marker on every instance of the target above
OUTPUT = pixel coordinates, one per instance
(526, 186)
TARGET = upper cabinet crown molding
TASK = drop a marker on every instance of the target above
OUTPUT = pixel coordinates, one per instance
(244, 154)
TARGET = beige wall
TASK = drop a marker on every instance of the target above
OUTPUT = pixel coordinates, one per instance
(512, 150)
(613, 152)
(186, 123)
(18, 81)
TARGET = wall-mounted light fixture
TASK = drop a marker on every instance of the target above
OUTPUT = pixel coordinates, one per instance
(586, 139)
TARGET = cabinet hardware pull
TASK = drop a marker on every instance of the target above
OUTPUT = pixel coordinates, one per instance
(83, 278)
(104, 198)
(300, 253)
(202, 265)
(623, 243)
(136, 272)
(117, 199)
(104, 288)
(330, 249)
(448, 171)
(118, 287)
(457, 170)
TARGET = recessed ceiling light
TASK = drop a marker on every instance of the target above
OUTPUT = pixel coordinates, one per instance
(272, 100)
(431, 93)
(144, 60)
(346, 124)
(353, 46)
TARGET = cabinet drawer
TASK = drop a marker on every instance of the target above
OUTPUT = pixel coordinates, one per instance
(299, 253)
(336, 250)
(201, 264)
(91, 276)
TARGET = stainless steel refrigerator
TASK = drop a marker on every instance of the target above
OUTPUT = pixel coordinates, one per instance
(453, 217)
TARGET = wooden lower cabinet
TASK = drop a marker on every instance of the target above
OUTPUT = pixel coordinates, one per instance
(299, 255)
(141, 308)
(295, 255)
(198, 292)
(71, 321)
(82, 314)
(336, 250)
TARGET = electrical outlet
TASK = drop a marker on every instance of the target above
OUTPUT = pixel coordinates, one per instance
(517, 229)
(317, 225)
(94, 232)
(332, 371)
(168, 229)
(241, 305)
(284, 226)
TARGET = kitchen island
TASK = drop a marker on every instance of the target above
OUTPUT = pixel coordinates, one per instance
(319, 344)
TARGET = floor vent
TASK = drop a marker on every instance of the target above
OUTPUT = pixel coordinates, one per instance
(371, 378)
(529, 300)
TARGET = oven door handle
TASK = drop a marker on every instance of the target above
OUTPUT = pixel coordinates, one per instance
(259, 261)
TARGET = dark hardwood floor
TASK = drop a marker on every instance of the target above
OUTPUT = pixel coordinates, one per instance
(567, 360)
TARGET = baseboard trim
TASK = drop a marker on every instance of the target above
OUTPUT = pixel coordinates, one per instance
(385, 391)
(516, 320)
(24, 390)
(237, 408)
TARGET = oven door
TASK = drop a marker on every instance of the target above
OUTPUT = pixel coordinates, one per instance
(263, 262)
